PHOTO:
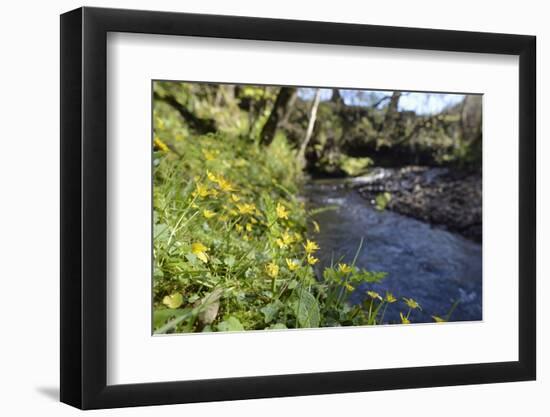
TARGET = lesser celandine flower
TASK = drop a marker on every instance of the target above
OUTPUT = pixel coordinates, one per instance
(344, 268)
(201, 190)
(246, 208)
(224, 184)
(161, 145)
(212, 177)
(411, 303)
(349, 287)
(287, 238)
(208, 213)
(272, 269)
(404, 319)
(200, 251)
(235, 198)
(311, 246)
(390, 298)
(282, 212)
(374, 295)
(292, 264)
(312, 260)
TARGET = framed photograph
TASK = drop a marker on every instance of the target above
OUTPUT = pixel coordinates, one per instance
(259, 208)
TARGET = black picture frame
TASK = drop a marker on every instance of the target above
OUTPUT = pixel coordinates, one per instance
(84, 207)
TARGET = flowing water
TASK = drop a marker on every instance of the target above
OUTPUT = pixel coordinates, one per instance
(425, 262)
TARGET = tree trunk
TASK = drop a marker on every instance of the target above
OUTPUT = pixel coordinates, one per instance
(390, 119)
(336, 96)
(310, 126)
(279, 109)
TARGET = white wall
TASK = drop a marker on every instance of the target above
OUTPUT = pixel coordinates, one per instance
(29, 235)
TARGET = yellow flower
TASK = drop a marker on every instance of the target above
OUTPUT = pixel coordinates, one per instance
(438, 319)
(292, 264)
(344, 268)
(161, 145)
(246, 208)
(404, 319)
(233, 213)
(202, 190)
(224, 184)
(282, 212)
(374, 295)
(211, 177)
(208, 213)
(210, 155)
(249, 227)
(390, 298)
(287, 238)
(235, 198)
(312, 260)
(311, 246)
(238, 227)
(316, 227)
(272, 269)
(349, 287)
(411, 303)
(200, 251)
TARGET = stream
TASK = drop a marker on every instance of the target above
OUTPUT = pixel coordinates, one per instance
(432, 265)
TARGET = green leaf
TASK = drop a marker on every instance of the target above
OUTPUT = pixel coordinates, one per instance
(306, 308)
(161, 316)
(173, 300)
(181, 316)
(229, 260)
(231, 324)
(271, 310)
(160, 231)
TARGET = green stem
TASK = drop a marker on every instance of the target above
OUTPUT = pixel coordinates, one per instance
(383, 313)
(370, 310)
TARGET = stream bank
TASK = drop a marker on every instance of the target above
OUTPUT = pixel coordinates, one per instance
(440, 196)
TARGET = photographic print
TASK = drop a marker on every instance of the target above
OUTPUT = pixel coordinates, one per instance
(288, 207)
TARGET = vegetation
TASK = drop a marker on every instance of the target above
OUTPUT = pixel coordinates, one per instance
(231, 244)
